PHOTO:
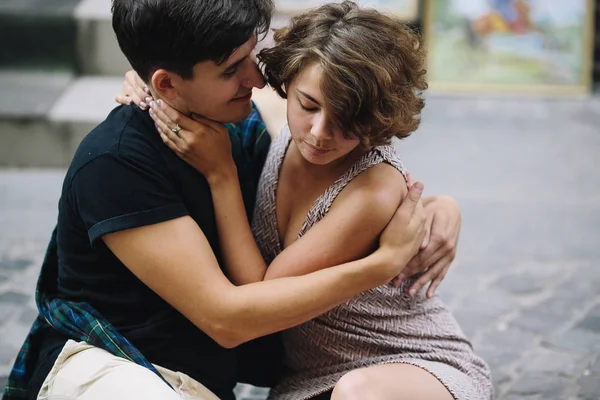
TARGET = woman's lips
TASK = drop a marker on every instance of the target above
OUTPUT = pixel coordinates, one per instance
(317, 150)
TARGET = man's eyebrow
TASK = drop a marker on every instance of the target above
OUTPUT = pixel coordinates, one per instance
(235, 65)
(309, 97)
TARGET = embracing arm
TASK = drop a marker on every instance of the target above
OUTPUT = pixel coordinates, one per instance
(348, 232)
(174, 259)
(241, 257)
(351, 228)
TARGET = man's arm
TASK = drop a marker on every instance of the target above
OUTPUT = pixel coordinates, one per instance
(174, 259)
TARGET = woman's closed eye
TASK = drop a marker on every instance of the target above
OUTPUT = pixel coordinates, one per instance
(306, 108)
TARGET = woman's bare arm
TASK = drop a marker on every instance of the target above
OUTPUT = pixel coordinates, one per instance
(351, 228)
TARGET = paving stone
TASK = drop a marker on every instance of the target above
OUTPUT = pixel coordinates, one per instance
(591, 322)
(563, 305)
(589, 387)
(499, 356)
(6, 310)
(582, 287)
(248, 392)
(536, 321)
(17, 264)
(546, 385)
(514, 339)
(500, 377)
(552, 363)
(7, 354)
(28, 315)
(520, 284)
(13, 297)
(14, 333)
(3, 381)
(594, 366)
(576, 340)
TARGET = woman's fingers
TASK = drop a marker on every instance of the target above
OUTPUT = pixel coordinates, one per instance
(170, 144)
(171, 116)
(166, 132)
(134, 87)
(123, 99)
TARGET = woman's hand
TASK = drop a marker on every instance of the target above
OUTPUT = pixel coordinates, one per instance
(134, 90)
(202, 143)
(403, 236)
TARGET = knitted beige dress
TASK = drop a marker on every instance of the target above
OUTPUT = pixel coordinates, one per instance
(380, 326)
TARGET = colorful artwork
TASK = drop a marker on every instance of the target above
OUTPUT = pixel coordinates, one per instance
(522, 45)
(406, 9)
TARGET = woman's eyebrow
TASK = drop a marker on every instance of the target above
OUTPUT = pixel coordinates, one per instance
(309, 97)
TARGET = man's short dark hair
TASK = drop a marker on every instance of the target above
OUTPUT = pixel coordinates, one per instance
(178, 34)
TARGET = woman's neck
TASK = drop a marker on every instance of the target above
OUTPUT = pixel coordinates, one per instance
(329, 171)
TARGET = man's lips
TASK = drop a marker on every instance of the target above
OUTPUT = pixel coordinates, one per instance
(247, 96)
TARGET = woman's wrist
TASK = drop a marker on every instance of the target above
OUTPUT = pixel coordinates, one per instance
(389, 261)
(223, 176)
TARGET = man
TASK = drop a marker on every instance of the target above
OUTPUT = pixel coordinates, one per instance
(133, 302)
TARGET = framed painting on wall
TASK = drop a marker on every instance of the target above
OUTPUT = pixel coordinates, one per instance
(405, 9)
(510, 45)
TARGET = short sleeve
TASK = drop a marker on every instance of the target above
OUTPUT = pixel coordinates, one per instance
(113, 193)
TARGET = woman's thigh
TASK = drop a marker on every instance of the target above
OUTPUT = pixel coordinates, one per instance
(390, 382)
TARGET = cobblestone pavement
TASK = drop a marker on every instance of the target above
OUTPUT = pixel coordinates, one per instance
(525, 286)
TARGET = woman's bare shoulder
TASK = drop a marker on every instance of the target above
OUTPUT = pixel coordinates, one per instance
(382, 184)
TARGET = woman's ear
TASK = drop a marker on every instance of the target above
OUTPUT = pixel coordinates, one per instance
(162, 82)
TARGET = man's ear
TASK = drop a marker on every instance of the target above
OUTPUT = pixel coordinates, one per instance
(162, 82)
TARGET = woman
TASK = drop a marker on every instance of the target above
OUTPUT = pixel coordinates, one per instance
(352, 78)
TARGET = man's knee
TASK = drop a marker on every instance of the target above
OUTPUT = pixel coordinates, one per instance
(355, 385)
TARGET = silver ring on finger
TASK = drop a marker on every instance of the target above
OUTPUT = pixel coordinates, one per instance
(176, 130)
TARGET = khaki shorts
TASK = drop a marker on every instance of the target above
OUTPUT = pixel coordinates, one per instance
(85, 372)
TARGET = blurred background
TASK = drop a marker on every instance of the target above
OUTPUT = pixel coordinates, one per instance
(511, 129)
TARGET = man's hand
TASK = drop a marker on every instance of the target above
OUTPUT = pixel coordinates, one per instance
(439, 246)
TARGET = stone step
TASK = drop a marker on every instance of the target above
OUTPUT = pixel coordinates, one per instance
(38, 34)
(43, 117)
(97, 49)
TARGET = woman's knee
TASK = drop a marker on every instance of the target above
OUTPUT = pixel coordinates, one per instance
(355, 385)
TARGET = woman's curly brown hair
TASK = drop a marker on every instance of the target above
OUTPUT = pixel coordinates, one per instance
(373, 68)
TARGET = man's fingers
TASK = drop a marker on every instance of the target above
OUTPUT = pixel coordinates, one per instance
(415, 192)
(443, 267)
(397, 280)
(409, 179)
(422, 281)
(428, 227)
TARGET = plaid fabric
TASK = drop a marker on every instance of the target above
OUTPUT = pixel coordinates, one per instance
(79, 321)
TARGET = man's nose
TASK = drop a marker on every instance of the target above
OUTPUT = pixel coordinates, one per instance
(254, 78)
